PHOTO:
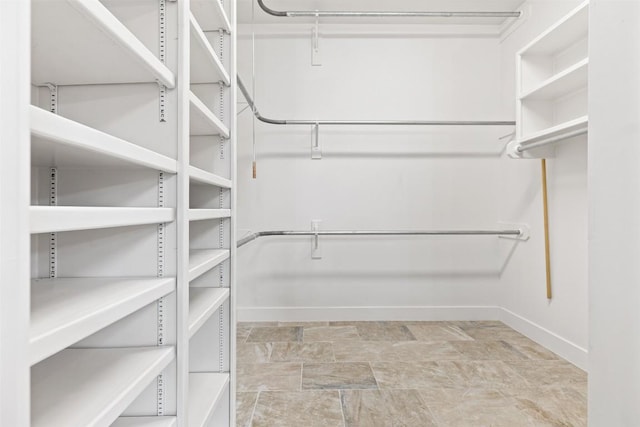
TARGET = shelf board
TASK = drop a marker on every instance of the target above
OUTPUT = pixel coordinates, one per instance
(203, 177)
(82, 387)
(57, 141)
(205, 64)
(210, 14)
(66, 310)
(203, 302)
(563, 83)
(569, 30)
(81, 42)
(51, 219)
(205, 392)
(203, 260)
(145, 422)
(558, 130)
(202, 121)
(203, 214)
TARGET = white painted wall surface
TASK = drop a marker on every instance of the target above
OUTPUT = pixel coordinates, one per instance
(614, 214)
(561, 323)
(371, 178)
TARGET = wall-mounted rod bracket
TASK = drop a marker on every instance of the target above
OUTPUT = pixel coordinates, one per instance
(524, 229)
(316, 59)
(316, 151)
(316, 252)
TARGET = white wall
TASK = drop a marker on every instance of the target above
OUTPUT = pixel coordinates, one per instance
(371, 178)
(614, 214)
(559, 323)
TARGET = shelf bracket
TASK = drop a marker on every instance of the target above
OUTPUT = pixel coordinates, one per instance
(160, 386)
(525, 231)
(316, 151)
(316, 252)
(316, 58)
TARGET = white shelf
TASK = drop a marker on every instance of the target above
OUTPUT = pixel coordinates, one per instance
(203, 260)
(83, 387)
(66, 310)
(202, 121)
(57, 141)
(205, 392)
(205, 64)
(573, 27)
(145, 422)
(203, 177)
(51, 219)
(210, 15)
(203, 302)
(558, 130)
(81, 42)
(563, 83)
(203, 214)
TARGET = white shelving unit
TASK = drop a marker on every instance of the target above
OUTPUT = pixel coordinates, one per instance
(117, 213)
(552, 81)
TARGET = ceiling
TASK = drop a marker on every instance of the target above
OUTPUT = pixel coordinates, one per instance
(245, 10)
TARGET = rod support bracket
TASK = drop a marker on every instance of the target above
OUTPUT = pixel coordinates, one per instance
(316, 251)
(316, 58)
(316, 151)
(525, 231)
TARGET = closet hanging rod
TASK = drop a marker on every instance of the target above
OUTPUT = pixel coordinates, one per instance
(254, 236)
(247, 96)
(362, 14)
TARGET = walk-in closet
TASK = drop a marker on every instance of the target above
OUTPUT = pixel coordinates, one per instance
(319, 213)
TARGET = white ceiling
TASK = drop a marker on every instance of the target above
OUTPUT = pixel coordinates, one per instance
(245, 10)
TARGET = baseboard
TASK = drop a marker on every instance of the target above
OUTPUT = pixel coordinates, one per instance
(326, 314)
(560, 346)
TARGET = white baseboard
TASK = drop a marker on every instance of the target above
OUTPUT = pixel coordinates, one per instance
(562, 347)
(326, 314)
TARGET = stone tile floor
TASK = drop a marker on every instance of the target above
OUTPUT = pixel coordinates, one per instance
(392, 374)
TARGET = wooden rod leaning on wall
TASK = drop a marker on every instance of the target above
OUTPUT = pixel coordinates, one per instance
(545, 207)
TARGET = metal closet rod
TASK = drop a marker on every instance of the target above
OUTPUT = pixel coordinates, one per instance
(263, 119)
(361, 14)
(254, 236)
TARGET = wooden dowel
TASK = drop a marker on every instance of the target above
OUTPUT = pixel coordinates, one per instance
(255, 170)
(545, 207)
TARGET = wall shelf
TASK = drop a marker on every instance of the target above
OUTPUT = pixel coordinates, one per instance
(204, 214)
(210, 15)
(571, 28)
(205, 390)
(203, 121)
(57, 141)
(200, 176)
(563, 128)
(205, 64)
(82, 387)
(66, 310)
(51, 219)
(107, 52)
(570, 80)
(203, 302)
(203, 260)
(145, 422)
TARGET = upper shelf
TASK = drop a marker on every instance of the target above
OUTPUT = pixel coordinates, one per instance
(205, 64)
(57, 141)
(555, 131)
(202, 121)
(91, 387)
(205, 391)
(566, 32)
(204, 214)
(82, 42)
(210, 14)
(52, 219)
(200, 176)
(203, 302)
(203, 260)
(66, 310)
(563, 83)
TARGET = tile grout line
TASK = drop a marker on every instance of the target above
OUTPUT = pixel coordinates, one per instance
(255, 405)
(344, 418)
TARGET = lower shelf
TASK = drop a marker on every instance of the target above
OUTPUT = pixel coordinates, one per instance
(145, 422)
(86, 387)
(203, 260)
(558, 130)
(205, 392)
(203, 302)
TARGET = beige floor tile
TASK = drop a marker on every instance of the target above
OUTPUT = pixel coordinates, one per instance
(553, 406)
(531, 349)
(242, 332)
(380, 351)
(482, 374)
(275, 334)
(302, 352)
(384, 331)
(303, 409)
(434, 333)
(338, 376)
(491, 331)
(410, 375)
(539, 373)
(488, 350)
(331, 333)
(499, 412)
(257, 324)
(245, 403)
(269, 376)
(303, 324)
(382, 408)
(449, 396)
(254, 352)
